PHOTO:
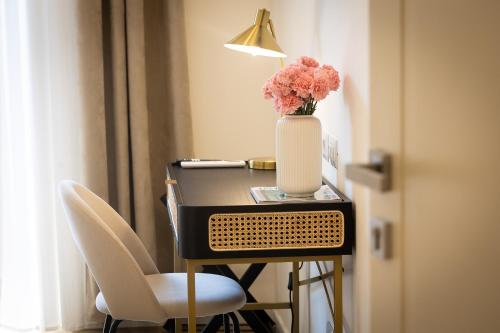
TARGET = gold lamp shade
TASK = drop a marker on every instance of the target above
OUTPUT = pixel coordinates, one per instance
(258, 39)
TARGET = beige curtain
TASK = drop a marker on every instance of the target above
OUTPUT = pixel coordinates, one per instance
(133, 71)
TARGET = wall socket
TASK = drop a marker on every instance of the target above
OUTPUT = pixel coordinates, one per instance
(330, 149)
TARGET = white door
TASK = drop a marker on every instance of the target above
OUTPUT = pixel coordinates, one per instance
(435, 107)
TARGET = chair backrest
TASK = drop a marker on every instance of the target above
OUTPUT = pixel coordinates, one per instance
(113, 264)
(120, 228)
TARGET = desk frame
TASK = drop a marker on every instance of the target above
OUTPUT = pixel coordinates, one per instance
(337, 259)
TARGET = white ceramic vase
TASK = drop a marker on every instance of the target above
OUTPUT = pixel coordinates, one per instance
(298, 155)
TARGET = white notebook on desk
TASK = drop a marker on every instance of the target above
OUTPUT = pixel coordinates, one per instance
(212, 164)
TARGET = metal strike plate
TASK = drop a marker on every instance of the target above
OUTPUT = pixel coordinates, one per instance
(376, 174)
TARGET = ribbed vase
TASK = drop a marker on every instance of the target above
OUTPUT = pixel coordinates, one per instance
(298, 155)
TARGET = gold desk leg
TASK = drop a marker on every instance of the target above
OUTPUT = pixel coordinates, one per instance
(296, 300)
(338, 294)
(191, 297)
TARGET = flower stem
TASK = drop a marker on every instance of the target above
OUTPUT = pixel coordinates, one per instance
(307, 109)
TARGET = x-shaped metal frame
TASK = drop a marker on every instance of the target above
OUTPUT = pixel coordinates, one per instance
(258, 320)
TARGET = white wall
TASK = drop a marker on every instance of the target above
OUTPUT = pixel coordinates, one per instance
(230, 118)
(335, 33)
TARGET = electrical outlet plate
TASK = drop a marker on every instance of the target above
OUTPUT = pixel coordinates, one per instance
(330, 149)
(333, 151)
(325, 142)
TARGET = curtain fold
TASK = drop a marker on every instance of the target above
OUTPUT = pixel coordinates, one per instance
(103, 99)
(137, 117)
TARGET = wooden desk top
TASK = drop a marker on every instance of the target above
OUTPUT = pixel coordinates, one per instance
(224, 186)
(201, 194)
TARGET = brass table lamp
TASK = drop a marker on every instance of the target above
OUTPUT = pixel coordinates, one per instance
(259, 40)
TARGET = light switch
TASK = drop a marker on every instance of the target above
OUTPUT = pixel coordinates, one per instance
(380, 234)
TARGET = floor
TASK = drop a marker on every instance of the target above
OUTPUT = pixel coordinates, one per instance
(243, 328)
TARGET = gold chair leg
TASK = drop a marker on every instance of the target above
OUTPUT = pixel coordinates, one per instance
(191, 297)
(296, 300)
(338, 294)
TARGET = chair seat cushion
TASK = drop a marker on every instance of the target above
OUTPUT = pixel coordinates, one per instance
(215, 294)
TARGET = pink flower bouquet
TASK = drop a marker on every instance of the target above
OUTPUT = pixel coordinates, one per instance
(297, 88)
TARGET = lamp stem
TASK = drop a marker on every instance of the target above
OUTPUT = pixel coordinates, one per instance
(271, 27)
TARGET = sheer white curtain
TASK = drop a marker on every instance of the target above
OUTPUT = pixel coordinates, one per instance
(40, 115)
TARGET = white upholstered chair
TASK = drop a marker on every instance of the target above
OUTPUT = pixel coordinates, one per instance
(131, 287)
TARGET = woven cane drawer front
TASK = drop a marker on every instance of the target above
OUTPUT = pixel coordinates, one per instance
(274, 231)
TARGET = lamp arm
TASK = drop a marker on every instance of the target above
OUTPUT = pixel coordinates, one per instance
(271, 27)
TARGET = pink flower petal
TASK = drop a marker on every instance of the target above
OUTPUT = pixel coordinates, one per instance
(308, 62)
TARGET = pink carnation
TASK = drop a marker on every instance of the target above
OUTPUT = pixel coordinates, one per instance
(302, 84)
(308, 70)
(320, 87)
(279, 85)
(276, 105)
(333, 77)
(307, 61)
(288, 74)
(289, 104)
(266, 90)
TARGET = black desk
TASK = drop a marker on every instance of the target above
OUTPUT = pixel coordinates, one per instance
(217, 222)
